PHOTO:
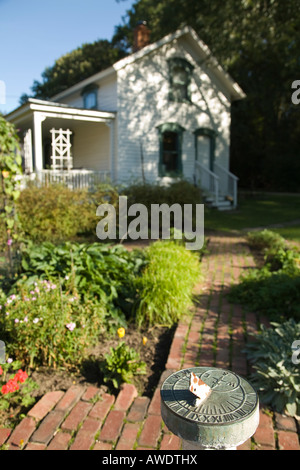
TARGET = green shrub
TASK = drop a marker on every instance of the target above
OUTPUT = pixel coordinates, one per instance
(276, 377)
(94, 270)
(276, 295)
(265, 240)
(165, 289)
(178, 192)
(282, 259)
(121, 365)
(56, 213)
(273, 289)
(44, 326)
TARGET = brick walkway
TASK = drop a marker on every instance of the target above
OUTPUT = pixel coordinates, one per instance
(82, 418)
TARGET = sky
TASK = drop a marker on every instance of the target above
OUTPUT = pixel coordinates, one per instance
(34, 33)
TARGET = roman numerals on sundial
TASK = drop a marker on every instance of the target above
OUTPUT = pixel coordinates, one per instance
(230, 399)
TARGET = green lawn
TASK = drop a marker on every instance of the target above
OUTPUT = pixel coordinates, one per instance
(258, 211)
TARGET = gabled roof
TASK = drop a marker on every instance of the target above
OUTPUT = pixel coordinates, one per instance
(232, 88)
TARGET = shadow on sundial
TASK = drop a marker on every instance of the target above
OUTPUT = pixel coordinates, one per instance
(178, 395)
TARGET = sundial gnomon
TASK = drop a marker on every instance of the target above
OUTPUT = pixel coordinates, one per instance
(232, 398)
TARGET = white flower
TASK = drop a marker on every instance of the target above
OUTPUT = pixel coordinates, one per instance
(71, 326)
(35, 320)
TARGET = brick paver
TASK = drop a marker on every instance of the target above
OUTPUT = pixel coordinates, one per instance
(83, 418)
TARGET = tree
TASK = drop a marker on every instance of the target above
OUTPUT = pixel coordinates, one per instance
(74, 67)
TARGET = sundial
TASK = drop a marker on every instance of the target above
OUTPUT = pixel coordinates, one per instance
(225, 419)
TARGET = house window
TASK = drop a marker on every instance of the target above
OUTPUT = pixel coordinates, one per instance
(170, 162)
(180, 73)
(89, 95)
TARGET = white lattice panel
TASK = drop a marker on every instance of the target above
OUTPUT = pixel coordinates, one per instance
(61, 149)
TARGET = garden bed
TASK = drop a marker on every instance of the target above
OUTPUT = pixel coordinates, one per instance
(92, 314)
(154, 353)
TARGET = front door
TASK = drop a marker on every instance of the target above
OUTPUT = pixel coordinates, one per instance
(205, 155)
(203, 151)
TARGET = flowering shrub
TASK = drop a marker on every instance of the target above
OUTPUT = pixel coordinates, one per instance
(15, 389)
(45, 326)
(10, 170)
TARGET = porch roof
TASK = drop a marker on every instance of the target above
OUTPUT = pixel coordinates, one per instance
(58, 110)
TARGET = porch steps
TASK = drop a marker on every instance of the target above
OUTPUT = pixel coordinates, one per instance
(223, 203)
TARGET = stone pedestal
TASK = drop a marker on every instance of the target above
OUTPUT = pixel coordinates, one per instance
(225, 420)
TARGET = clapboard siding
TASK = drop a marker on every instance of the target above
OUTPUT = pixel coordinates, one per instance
(106, 95)
(143, 104)
(91, 149)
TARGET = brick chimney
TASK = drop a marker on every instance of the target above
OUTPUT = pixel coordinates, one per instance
(141, 36)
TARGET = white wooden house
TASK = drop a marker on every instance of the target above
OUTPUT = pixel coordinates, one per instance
(162, 112)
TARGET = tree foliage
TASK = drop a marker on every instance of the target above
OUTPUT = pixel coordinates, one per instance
(74, 67)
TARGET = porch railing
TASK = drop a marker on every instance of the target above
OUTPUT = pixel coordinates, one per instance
(207, 180)
(73, 179)
(228, 182)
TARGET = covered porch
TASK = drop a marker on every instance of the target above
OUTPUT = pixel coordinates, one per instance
(65, 145)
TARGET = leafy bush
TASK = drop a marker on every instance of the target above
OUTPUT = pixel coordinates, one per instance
(276, 378)
(44, 326)
(165, 288)
(10, 172)
(178, 192)
(56, 213)
(265, 240)
(276, 295)
(121, 365)
(274, 289)
(94, 270)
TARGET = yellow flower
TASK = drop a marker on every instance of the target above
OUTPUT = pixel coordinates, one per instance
(121, 332)
(145, 340)
(5, 174)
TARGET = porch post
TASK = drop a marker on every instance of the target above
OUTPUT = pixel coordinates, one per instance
(38, 119)
(111, 125)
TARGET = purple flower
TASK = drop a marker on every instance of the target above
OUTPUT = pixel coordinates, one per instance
(9, 242)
